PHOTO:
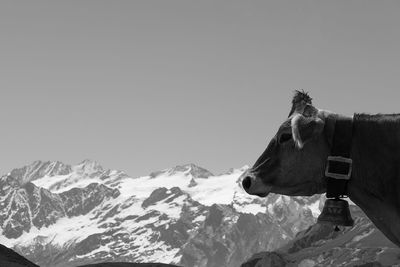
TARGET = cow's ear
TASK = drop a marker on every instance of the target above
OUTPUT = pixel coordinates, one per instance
(305, 128)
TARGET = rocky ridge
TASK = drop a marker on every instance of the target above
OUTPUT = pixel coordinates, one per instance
(181, 216)
(320, 245)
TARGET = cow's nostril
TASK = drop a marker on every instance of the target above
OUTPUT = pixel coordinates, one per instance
(246, 183)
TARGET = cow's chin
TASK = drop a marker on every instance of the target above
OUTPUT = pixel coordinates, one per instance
(304, 189)
(262, 194)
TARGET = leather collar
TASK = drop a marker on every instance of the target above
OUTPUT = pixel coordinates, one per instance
(339, 164)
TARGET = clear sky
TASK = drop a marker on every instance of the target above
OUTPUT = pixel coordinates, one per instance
(146, 85)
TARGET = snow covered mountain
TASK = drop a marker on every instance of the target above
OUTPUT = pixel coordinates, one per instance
(56, 214)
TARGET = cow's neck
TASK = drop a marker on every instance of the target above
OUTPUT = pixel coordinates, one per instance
(375, 182)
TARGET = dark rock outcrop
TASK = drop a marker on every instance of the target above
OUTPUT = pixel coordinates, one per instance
(79, 201)
(25, 206)
(162, 193)
(9, 258)
(226, 237)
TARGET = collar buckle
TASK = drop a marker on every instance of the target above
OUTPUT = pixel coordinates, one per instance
(338, 167)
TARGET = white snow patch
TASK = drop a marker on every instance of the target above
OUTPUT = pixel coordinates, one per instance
(172, 209)
(251, 208)
(199, 218)
(314, 207)
(92, 253)
(62, 183)
(270, 209)
(213, 190)
(63, 231)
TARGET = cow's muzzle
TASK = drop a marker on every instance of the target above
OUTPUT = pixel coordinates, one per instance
(254, 186)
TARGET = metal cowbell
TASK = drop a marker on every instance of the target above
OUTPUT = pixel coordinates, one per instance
(336, 212)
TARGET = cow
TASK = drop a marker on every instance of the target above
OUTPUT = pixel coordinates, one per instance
(294, 162)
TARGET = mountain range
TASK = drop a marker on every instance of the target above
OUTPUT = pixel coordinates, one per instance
(56, 214)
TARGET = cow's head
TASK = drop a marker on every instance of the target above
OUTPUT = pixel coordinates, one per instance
(293, 164)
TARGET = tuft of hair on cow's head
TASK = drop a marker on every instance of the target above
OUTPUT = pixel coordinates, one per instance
(299, 101)
(304, 119)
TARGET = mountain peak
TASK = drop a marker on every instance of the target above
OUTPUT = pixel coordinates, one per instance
(233, 170)
(199, 172)
(39, 169)
(186, 169)
(88, 166)
(89, 162)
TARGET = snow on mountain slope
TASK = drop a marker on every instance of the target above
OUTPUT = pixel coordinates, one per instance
(88, 214)
(201, 184)
(214, 189)
(79, 176)
(191, 169)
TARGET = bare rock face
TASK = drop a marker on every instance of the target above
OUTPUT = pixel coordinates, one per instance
(39, 169)
(320, 245)
(27, 206)
(160, 194)
(227, 237)
(15, 201)
(45, 207)
(80, 201)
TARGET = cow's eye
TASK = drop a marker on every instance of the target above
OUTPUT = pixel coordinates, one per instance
(284, 138)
